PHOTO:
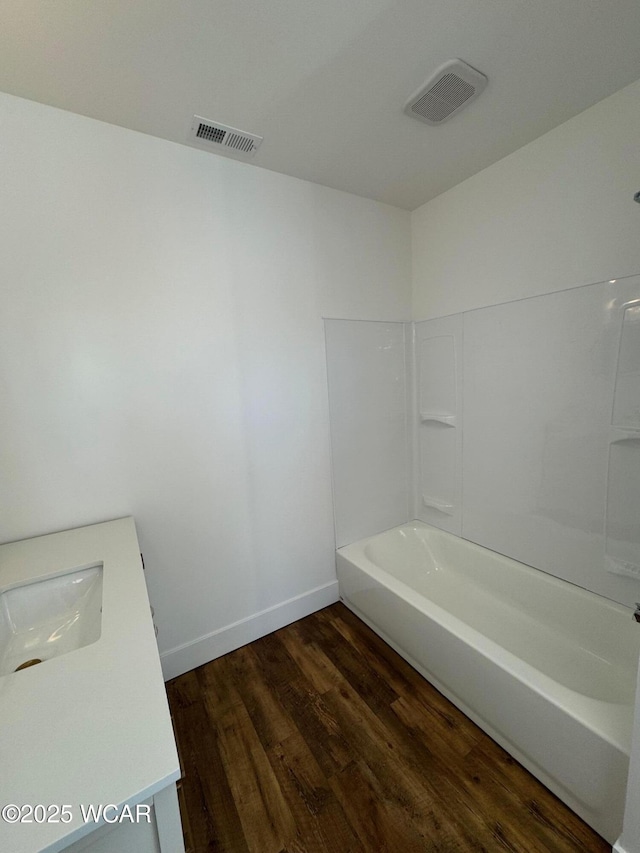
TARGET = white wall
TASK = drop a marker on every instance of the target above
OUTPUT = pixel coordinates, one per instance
(162, 355)
(557, 213)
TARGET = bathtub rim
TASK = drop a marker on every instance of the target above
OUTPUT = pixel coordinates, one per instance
(615, 726)
(417, 524)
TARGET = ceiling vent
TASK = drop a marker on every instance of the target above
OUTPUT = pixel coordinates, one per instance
(453, 85)
(223, 139)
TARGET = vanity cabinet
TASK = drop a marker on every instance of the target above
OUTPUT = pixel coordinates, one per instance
(86, 724)
(161, 834)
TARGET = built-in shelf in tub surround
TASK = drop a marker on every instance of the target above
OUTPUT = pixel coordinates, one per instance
(90, 727)
(440, 506)
(445, 420)
(626, 401)
(622, 533)
(622, 542)
(438, 359)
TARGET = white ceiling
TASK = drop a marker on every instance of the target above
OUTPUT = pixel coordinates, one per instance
(325, 82)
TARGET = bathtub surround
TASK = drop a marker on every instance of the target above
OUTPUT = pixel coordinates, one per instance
(437, 423)
(370, 425)
(551, 477)
(527, 433)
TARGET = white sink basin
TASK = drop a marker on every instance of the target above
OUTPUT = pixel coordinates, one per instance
(48, 618)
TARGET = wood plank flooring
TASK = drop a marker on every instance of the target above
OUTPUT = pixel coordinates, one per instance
(320, 737)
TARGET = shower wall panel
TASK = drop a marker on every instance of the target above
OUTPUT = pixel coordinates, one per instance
(438, 420)
(368, 406)
(551, 467)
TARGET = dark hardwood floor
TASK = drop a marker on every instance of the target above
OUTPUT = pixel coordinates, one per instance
(320, 737)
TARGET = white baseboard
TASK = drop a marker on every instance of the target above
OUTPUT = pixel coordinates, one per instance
(618, 848)
(224, 640)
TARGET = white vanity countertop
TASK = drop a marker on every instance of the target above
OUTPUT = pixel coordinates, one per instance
(92, 726)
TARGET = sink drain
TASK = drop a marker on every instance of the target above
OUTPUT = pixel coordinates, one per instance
(28, 663)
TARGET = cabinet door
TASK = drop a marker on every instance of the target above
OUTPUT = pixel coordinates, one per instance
(141, 837)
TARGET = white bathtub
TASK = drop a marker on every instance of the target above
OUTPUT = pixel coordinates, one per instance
(544, 667)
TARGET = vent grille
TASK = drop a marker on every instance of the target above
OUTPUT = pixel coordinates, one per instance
(240, 143)
(212, 134)
(452, 86)
(223, 139)
(441, 100)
